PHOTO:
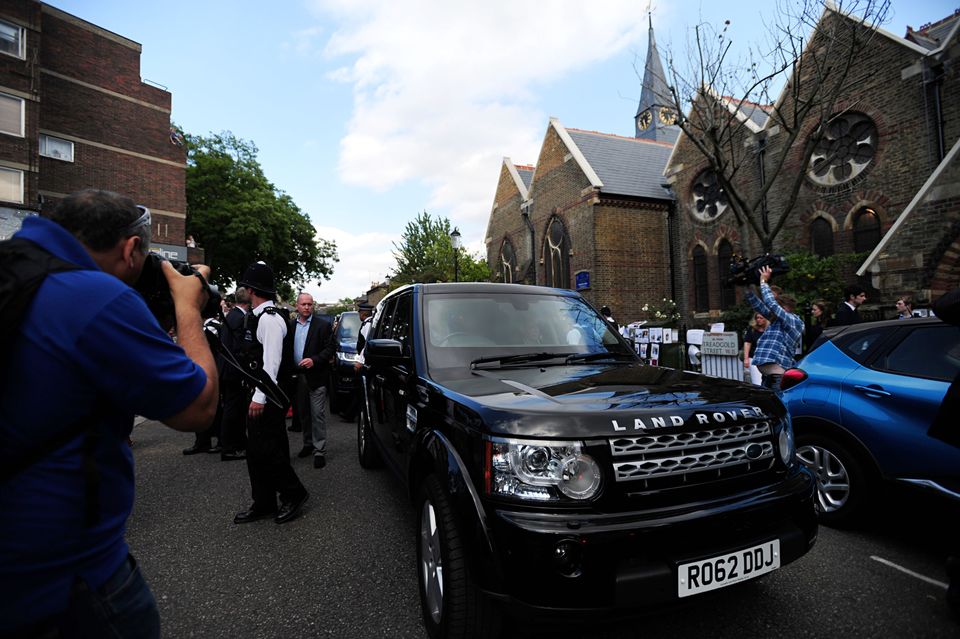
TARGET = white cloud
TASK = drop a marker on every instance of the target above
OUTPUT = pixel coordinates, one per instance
(364, 258)
(441, 92)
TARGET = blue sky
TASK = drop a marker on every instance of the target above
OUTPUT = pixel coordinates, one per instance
(369, 111)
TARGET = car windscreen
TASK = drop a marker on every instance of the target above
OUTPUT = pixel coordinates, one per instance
(462, 328)
(349, 328)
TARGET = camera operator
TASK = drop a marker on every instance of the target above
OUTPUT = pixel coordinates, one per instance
(781, 340)
(70, 386)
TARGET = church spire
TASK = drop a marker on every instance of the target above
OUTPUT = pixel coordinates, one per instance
(655, 112)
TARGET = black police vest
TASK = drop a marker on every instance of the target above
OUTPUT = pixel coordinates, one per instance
(249, 350)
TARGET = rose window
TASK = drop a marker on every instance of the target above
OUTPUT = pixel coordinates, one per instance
(709, 198)
(847, 147)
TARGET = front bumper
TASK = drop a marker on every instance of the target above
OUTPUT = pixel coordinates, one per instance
(628, 561)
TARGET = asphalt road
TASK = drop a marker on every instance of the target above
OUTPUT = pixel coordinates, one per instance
(346, 568)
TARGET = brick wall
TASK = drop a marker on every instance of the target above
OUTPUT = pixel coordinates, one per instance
(506, 223)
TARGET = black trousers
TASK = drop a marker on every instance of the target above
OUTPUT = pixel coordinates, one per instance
(233, 426)
(268, 460)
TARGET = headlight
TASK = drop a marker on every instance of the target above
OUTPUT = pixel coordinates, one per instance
(540, 470)
(787, 447)
(347, 357)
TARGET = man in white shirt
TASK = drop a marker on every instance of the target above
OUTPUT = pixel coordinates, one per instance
(268, 450)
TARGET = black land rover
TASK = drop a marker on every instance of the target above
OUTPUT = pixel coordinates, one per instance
(553, 472)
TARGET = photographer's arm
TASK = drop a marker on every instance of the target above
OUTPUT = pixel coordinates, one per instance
(768, 297)
(188, 298)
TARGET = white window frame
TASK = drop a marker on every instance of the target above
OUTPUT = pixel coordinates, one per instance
(23, 116)
(44, 140)
(4, 169)
(22, 53)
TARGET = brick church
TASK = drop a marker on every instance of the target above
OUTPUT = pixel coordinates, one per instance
(629, 221)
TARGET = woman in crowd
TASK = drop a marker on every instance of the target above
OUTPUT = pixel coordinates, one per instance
(757, 325)
(820, 311)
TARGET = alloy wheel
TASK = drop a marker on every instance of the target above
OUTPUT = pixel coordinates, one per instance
(833, 480)
(431, 562)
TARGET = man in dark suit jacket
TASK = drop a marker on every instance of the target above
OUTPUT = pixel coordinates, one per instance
(236, 396)
(847, 313)
(310, 341)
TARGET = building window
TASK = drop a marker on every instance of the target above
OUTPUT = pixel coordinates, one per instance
(11, 185)
(844, 151)
(556, 256)
(12, 39)
(728, 295)
(57, 148)
(508, 262)
(11, 115)
(866, 230)
(709, 198)
(701, 288)
(821, 238)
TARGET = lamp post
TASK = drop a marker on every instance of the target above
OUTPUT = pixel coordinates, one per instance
(455, 243)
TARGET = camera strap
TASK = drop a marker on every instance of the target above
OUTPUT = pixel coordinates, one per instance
(256, 378)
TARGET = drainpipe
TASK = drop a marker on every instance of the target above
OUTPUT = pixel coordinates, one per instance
(525, 214)
(672, 238)
(761, 153)
(938, 110)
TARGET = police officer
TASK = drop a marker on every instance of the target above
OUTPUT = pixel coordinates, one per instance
(268, 452)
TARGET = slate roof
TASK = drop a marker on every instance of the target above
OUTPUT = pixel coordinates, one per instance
(626, 166)
(931, 36)
(525, 171)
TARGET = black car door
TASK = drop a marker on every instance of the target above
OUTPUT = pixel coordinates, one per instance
(389, 382)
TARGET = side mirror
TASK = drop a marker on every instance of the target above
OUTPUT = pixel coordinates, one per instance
(383, 352)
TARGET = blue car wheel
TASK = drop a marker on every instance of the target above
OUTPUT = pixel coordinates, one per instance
(842, 485)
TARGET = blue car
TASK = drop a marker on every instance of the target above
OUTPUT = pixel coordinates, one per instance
(862, 402)
(343, 380)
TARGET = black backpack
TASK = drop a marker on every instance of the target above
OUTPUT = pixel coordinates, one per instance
(24, 266)
(248, 352)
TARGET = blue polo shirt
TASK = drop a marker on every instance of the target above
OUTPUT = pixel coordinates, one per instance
(87, 336)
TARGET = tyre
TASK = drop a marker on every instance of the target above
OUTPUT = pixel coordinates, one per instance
(843, 487)
(367, 452)
(452, 605)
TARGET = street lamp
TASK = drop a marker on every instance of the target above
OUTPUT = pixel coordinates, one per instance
(455, 243)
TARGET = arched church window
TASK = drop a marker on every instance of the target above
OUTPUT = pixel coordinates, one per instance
(701, 287)
(728, 295)
(556, 255)
(508, 262)
(866, 230)
(821, 238)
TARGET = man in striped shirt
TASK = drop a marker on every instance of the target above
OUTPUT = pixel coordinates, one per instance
(779, 343)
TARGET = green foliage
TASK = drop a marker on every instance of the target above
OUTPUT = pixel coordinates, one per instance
(238, 216)
(425, 254)
(737, 319)
(665, 313)
(343, 305)
(811, 278)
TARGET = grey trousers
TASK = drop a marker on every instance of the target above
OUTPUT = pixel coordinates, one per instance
(312, 410)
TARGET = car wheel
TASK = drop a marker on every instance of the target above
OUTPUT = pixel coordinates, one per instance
(366, 450)
(452, 605)
(843, 488)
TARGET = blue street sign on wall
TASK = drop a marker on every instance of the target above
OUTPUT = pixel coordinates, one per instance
(583, 280)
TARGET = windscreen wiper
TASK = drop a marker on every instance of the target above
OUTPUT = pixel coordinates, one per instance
(590, 357)
(522, 358)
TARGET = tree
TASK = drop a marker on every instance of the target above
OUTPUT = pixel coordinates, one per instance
(238, 216)
(343, 305)
(425, 254)
(720, 92)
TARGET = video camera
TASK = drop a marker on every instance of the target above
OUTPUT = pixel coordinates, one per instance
(744, 272)
(155, 289)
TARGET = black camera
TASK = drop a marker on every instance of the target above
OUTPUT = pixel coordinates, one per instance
(155, 289)
(744, 271)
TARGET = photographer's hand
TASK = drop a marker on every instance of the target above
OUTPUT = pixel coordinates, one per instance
(765, 273)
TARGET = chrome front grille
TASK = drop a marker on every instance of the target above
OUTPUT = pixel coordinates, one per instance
(691, 456)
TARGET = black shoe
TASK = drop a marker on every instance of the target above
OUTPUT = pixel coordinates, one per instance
(233, 455)
(306, 451)
(319, 461)
(215, 449)
(252, 514)
(197, 448)
(290, 509)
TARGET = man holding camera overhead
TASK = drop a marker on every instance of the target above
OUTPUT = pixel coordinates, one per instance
(70, 386)
(780, 341)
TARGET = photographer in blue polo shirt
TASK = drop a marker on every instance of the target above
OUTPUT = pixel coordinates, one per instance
(89, 352)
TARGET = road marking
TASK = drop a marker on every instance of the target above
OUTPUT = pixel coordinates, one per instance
(909, 572)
